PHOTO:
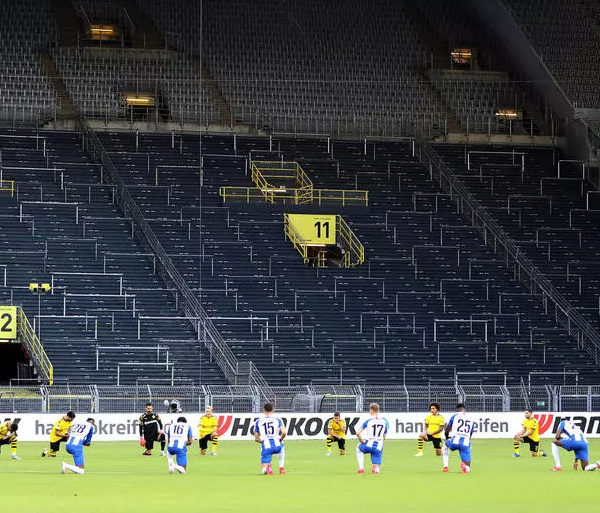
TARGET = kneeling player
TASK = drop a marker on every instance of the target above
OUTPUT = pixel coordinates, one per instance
(571, 438)
(269, 432)
(208, 431)
(81, 435)
(434, 425)
(530, 434)
(178, 437)
(336, 432)
(150, 427)
(371, 435)
(458, 438)
(60, 433)
(8, 435)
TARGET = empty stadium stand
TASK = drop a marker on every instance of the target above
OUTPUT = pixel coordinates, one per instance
(109, 318)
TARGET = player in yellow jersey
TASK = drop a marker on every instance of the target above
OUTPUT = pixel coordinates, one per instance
(8, 435)
(434, 425)
(208, 431)
(530, 434)
(336, 432)
(60, 433)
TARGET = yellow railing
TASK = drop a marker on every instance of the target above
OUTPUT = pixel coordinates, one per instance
(295, 196)
(8, 186)
(354, 250)
(294, 237)
(275, 177)
(34, 347)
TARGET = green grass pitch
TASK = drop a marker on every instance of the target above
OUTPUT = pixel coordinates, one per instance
(119, 479)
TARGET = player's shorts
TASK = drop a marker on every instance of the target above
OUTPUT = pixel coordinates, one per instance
(150, 439)
(7, 441)
(180, 454)
(464, 450)
(203, 442)
(533, 445)
(375, 452)
(579, 447)
(55, 446)
(340, 441)
(435, 440)
(77, 452)
(266, 453)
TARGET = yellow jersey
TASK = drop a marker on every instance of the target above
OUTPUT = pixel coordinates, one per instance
(207, 425)
(4, 429)
(338, 429)
(60, 429)
(532, 424)
(433, 423)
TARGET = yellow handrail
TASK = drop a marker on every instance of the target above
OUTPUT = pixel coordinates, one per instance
(296, 196)
(8, 185)
(34, 347)
(355, 251)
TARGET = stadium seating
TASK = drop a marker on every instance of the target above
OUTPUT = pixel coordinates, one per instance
(26, 95)
(549, 210)
(109, 318)
(565, 36)
(427, 271)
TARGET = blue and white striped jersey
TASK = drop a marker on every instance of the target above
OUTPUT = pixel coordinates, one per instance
(81, 434)
(177, 434)
(572, 431)
(461, 428)
(268, 428)
(374, 430)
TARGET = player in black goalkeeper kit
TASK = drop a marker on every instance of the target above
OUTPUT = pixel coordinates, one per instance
(150, 431)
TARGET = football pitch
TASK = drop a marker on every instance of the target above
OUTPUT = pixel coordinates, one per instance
(119, 479)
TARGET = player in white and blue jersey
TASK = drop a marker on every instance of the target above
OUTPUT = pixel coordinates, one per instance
(570, 438)
(269, 432)
(458, 438)
(80, 436)
(178, 436)
(371, 436)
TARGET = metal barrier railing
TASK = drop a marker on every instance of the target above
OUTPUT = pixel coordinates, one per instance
(308, 398)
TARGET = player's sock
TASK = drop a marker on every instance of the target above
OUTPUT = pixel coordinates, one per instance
(329, 443)
(517, 447)
(13, 445)
(215, 441)
(445, 455)
(556, 455)
(420, 444)
(162, 446)
(360, 456)
(179, 468)
(281, 458)
(73, 468)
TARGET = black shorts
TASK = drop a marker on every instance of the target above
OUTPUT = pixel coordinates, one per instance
(55, 446)
(436, 441)
(533, 446)
(204, 441)
(150, 439)
(340, 441)
(7, 441)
